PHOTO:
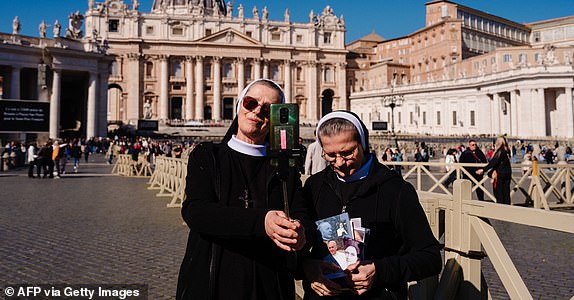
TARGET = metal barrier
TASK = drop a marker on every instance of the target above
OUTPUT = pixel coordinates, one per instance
(466, 230)
(539, 183)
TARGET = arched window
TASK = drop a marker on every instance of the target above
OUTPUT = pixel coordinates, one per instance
(299, 74)
(149, 69)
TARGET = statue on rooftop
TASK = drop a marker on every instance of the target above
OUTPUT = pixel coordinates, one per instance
(42, 28)
(57, 29)
(16, 26)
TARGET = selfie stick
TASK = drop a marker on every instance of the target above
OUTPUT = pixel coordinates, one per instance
(283, 155)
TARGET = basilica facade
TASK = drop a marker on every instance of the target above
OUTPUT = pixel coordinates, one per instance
(187, 60)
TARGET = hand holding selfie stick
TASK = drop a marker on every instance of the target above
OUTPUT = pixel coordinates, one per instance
(283, 156)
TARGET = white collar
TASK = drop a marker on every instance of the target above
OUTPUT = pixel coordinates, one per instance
(246, 148)
(360, 174)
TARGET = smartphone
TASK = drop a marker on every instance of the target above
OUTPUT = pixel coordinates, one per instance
(284, 128)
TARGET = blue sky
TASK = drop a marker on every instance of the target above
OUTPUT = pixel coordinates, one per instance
(389, 19)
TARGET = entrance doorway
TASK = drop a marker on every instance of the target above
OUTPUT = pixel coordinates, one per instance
(227, 108)
(175, 112)
(73, 104)
(327, 102)
(207, 112)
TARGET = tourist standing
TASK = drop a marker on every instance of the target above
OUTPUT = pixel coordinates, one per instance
(500, 170)
(473, 155)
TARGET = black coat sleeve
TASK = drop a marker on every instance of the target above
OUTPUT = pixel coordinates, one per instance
(202, 211)
(421, 257)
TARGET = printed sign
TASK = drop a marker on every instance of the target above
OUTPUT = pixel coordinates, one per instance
(24, 116)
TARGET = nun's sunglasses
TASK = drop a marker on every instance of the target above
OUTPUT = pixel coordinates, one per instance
(251, 104)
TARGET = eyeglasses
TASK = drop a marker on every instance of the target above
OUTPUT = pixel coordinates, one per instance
(345, 155)
(251, 104)
(472, 144)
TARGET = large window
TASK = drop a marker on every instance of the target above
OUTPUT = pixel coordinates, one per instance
(176, 70)
(454, 118)
(275, 75)
(327, 38)
(472, 118)
(113, 25)
(329, 74)
(248, 75)
(149, 69)
(438, 118)
(507, 58)
(228, 71)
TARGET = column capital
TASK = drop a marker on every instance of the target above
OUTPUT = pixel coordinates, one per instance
(163, 57)
(288, 62)
(240, 60)
(199, 58)
(216, 59)
(133, 56)
(189, 58)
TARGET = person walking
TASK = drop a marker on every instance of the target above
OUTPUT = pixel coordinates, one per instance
(31, 159)
(473, 155)
(500, 170)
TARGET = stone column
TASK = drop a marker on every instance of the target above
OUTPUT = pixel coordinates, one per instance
(91, 122)
(55, 104)
(525, 113)
(133, 105)
(102, 105)
(188, 88)
(569, 113)
(265, 69)
(287, 88)
(514, 115)
(342, 85)
(496, 111)
(15, 83)
(199, 88)
(257, 68)
(216, 89)
(164, 88)
(312, 104)
(240, 80)
(538, 118)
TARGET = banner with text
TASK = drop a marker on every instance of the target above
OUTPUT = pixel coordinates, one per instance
(30, 116)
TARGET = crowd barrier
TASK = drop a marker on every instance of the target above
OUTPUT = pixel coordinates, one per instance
(126, 166)
(461, 220)
(542, 185)
(464, 223)
(169, 178)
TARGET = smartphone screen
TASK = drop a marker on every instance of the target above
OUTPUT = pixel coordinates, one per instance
(284, 130)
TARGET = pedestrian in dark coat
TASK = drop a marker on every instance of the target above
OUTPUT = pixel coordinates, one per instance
(500, 170)
(473, 155)
(241, 243)
(400, 247)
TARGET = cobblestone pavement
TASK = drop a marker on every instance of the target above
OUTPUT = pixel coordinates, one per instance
(95, 228)
(88, 228)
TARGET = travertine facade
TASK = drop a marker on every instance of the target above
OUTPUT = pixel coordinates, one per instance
(184, 60)
(469, 72)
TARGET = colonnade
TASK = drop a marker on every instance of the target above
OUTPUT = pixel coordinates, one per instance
(193, 79)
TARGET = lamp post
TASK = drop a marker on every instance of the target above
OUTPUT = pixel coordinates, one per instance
(393, 100)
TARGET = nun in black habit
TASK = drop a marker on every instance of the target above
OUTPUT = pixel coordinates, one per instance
(241, 244)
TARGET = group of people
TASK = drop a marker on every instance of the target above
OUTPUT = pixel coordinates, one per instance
(52, 157)
(252, 229)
